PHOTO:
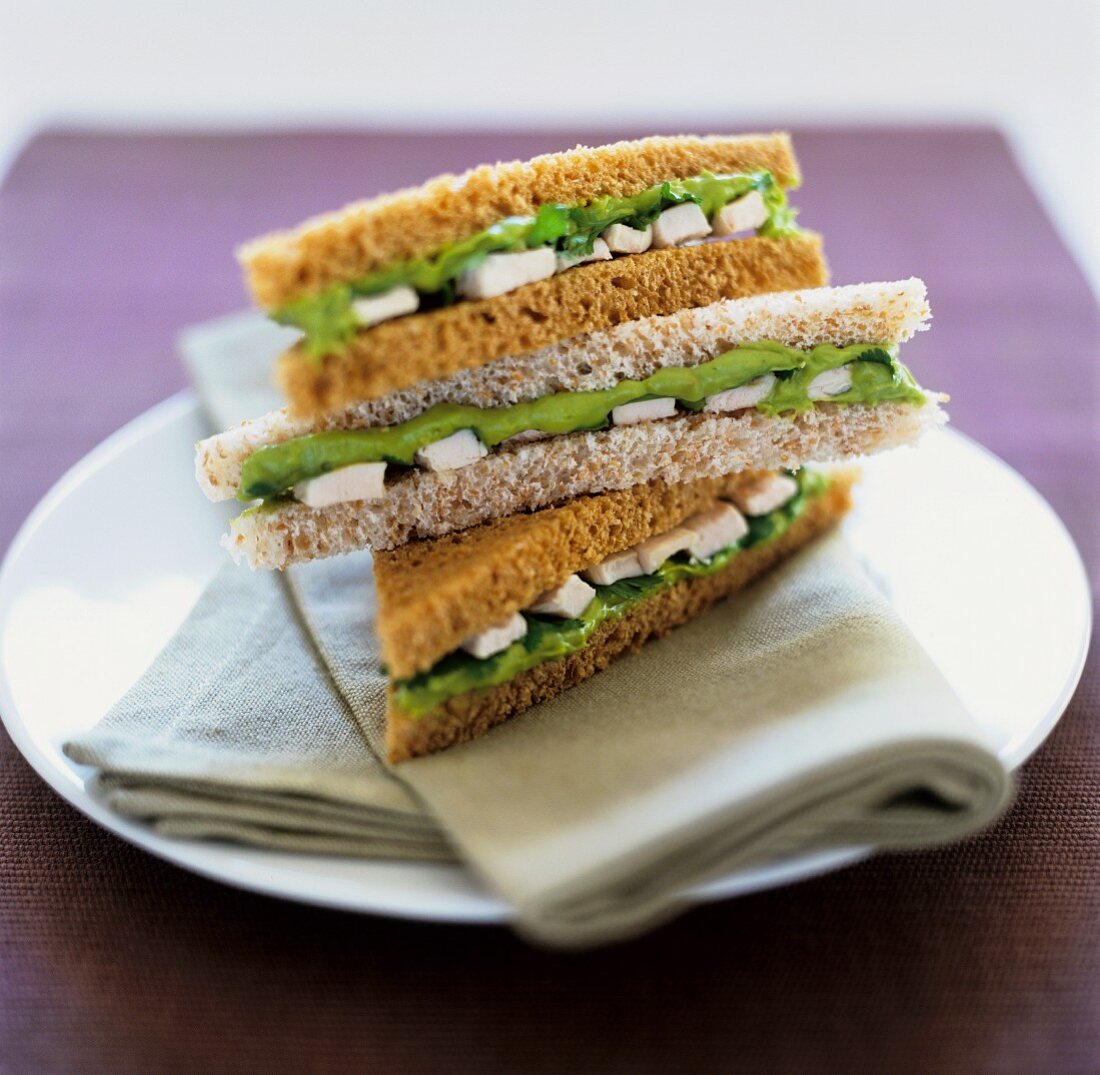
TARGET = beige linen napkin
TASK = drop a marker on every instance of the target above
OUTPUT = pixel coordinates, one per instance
(237, 732)
(798, 716)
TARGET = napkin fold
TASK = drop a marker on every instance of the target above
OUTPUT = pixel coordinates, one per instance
(237, 731)
(801, 715)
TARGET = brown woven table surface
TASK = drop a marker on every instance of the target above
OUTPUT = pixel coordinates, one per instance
(982, 957)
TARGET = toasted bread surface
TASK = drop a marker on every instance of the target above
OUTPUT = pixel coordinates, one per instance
(468, 716)
(361, 238)
(589, 298)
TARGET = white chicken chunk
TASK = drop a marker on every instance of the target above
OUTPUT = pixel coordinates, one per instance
(566, 601)
(600, 252)
(360, 481)
(746, 395)
(621, 239)
(619, 565)
(679, 225)
(398, 301)
(715, 530)
(830, 383)
(748, 211)
(500, 273)
(452, 453)
(656, 550)
(765, 494)
(498, 637)
(644, 410)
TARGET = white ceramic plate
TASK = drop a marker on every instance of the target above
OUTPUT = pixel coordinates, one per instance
(975, 561)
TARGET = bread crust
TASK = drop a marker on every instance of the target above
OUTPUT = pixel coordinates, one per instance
(588, 298)
(674, 450)
(471, 715)
(434, 594)
(417, 222)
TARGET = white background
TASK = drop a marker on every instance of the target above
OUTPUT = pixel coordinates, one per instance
(1031, 67)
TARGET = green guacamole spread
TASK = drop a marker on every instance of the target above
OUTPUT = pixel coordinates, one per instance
(548, 639)
(877, 376)
(329, 323)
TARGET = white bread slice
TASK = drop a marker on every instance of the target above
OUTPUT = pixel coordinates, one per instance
(679, 449)
(871, 313)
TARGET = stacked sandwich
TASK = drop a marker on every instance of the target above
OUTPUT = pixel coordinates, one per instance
(567, 402)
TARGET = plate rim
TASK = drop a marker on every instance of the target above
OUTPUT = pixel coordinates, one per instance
(490, 910)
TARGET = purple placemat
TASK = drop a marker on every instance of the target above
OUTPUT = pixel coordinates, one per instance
(980, 957)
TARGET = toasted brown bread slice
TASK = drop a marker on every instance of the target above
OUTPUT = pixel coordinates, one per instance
(589, 298)
(366, 236)
(433, 594)
(470, 715)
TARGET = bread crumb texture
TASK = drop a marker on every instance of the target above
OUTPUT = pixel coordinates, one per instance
(675, 450)
(365, 236)
(471, 715)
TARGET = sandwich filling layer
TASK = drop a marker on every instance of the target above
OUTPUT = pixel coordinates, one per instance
(520, 250)
(346, 465)
(563, 620)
